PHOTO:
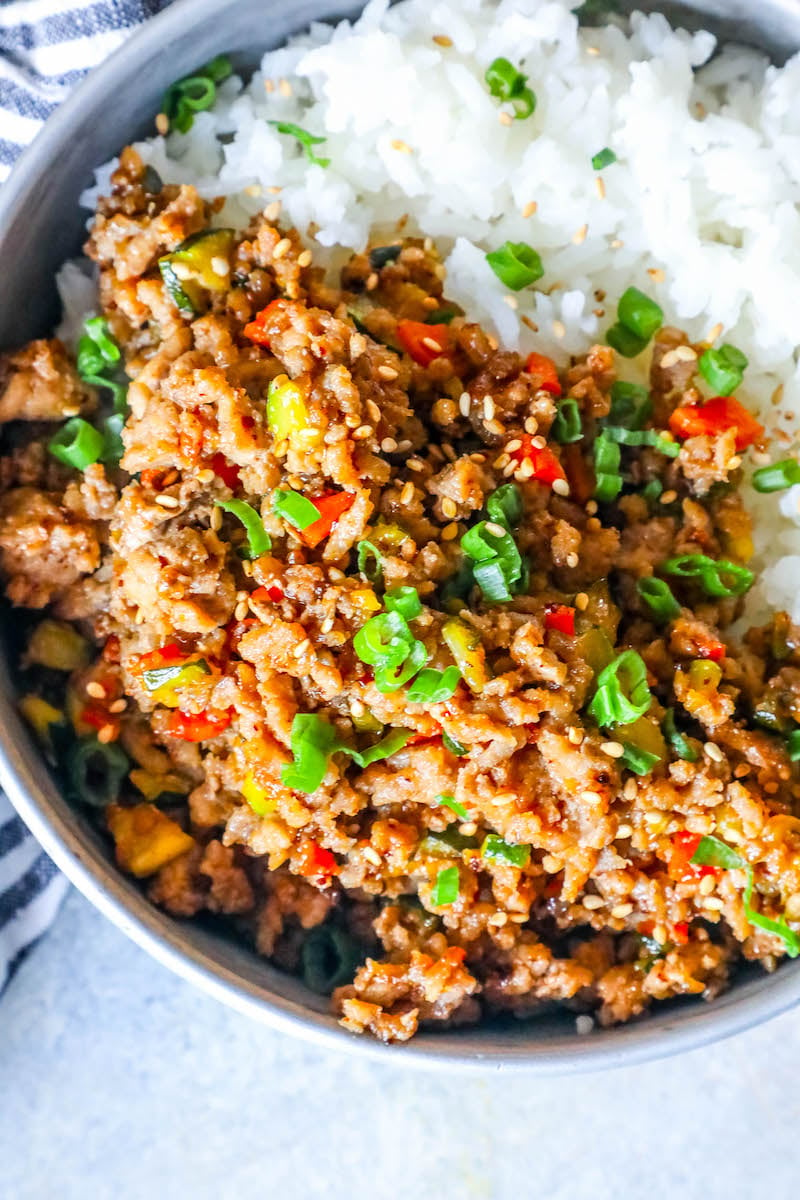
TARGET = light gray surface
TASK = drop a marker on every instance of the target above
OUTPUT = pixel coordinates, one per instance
(119, 1080)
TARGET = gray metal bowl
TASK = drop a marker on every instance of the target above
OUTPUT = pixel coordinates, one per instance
(41, 226)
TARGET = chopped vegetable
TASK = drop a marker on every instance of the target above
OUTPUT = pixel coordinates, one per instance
(395, 740)
(97, 354)
(778, 476)
(498, 563)
(506, 83)
(257, 796)
(195, 93)
(167, 683)
(152, 785)
(385, 641)
(145, 838)
(446, 888)
(641, 762)
(544, 374)
(567, 426)
(516, 265)
(639, 314)
(641, 437)
(624, 341)
(379, 256)
(197, 727)
(258, 540)
(329, 958)
(432, 686)
(465, 646)
(544, 463)
(191, 269)
(307, 141)
(287, 411)
(313, 741)
(403, 600)
(424, 343)
(723, 369)
(496, 849)
(560, 617)
(622, 694)
(40, 716)
(77, 444)
(297, 510)
(451, 803)
(715, 417)
(711, 574)
(330, 507)
(658, 596)
(96, 771)
(631, 405)
(607, 459)
(455, 747)
(389, 679)
(676, 739)
(369, 561)
(603, 158)
(256, 330)
(58, 646)
(793, 745)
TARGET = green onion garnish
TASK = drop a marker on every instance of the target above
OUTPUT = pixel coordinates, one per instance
(778, 476)
(96, 771)
(195, 93)
(394, 741)
(711, 574)
(306, 140)
(97, 349)
(608, 481)
(723, 369)
(639, 314)
(682, 747)
(507, 83)
(567, 425)
(441, 316)
(385, 640)
(455, 747)
(642, 437)
(432, 686)
(604, 158)
(258, 540)
(793, 745)
(114, 447)
(496, 849)
(498, 563)
(403, 600)
(313, 741)
(505, 507)
(628, 344)
(516, 265)
(294, 508)
(641, 762)
(622, 694)
(659, 598)
(77, 444)
(712, 852)
(390, 678)
(445, 890)
(652, 490)
(631, 405)
(369, 561)
(451, 803)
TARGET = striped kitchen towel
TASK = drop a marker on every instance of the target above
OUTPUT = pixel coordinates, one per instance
(46, 47)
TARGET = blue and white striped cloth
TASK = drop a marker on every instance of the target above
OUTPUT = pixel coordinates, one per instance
(46, 47)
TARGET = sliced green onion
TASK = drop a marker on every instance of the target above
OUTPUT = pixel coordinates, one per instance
(498, 563)
(97, 349)
(195, 93)
(793, 745)
(567, 426)
(385, 640)
(96, 771)
(441, 316)
(639, 314)
(455, 747)
(329, 958)
(603, 158)
(389, 678)
(313, 741)
(641, 762)
(432, 686)
(631, 405)
(652, 490)
(505, 506)
(176, 673)
(516, 265)
(496, 849)
(622, 694)
(446, 845)
(446, 888)
(451, 803)
(642, 437)
(506, 83)
(682, 747)
(294, 508)
(258, 540)
(77, 444)
(711, 574)
(403, 600)
(723, 369)
(658, 596)
(626, 343)
(306, 140)
(608, 481)
(778, 476)
(711, 852)
(369, 561)
(385, 748)
(113, 445)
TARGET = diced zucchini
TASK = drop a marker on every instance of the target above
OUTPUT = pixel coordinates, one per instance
(56, 645)
(189, 270)
(595, 649)
(467, 650)
(645, 734)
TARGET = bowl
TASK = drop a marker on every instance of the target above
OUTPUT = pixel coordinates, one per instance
(41, 226)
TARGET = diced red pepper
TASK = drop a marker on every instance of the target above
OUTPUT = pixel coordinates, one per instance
(684, 846)
(197, 727)
(560, 617)
(715, 417)
(424, 342)
(543, 373)
(272, 592)
(255, 329)
(680, 932)
(111, 649)
(98, 717)
(715, 651)
(316, 861)
(164, 656)
(546, 467)
(331, 507)
(227, 471)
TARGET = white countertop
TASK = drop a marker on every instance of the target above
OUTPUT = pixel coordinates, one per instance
(120, 1081)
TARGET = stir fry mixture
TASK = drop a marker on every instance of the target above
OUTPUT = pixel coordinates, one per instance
(410, 656)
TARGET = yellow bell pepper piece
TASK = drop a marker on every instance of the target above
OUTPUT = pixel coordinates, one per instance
(465, 646)
(145, 838)
(645, 734)
(40, 715)
(287, 411)
(56, 645)
(257, 797)
(152, 785)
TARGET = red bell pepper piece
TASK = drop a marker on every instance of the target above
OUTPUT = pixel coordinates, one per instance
(560, 617)
(543, 373)
(197, 727)
(546, 467)
(715, 651)
(255, 330)
(164, 656)
(316, 861)
(680, 932)
(684, 845)
(715, 417)
(331, 507)
(424, 342)
(227, 471)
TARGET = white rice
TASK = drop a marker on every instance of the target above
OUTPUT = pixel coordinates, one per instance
(700, 210)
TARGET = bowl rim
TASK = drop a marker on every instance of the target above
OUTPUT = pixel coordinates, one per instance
(24, 780)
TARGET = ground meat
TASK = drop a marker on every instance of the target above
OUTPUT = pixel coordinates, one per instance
(43, 549)
(40, 383)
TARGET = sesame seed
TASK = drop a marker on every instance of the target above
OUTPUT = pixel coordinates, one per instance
(216, 519)
(401, 146)
(579, 236)
(162, 124)
(327, 625)
(388, 373)
(530, 324)
(253, 189)
(450, 532)
(575, 735)
(241, 610)
(95, 689)
(613, 749)
(551, 864)
(714, 752)
(559, 329)
(476, 458)
(284, 87)
(707, 885)
(511, 301)
(407, 494)
(656, 274)
(505, 118)
(414, 464)
(561, 487)
(591, 507)
(539, 442)
(219, 265)
(488, 408)
(600, 185)
(305, 258)
(71, 410)
(431, 344)
(269, 85)
(442, 39)
(501, 461)
(619, 911)
(630, 789)
(449, 508)
(735, 463)
(107, 734)
(300, 649)
(494, 427)
(531, 425)
(525, 470)
(572, 559)
(464, 404)
(404, 445)
(118, 706)
(362, 432)
(668, 497)
(495, 530)
(593, 902)
(714, 332)
(373, 410)
(624, 831)
(582, 601)
(372, 856)
(272, 211)
(584, 1024)
(514, 444)
(713, 903)
(168, 501)
(181, 271)
(593, 50)
(388, 445)
(282, 249)
(529, 209)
